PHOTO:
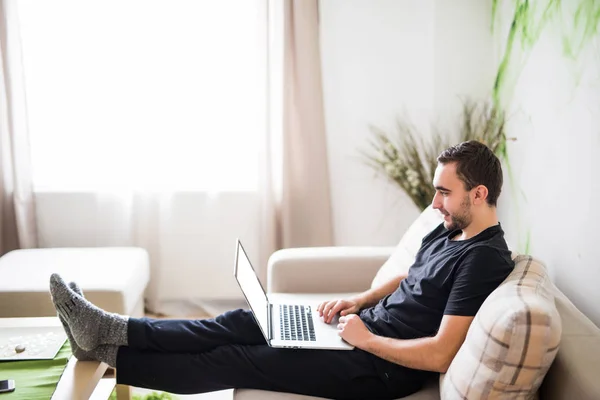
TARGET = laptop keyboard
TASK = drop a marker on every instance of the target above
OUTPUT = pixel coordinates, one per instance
(296, 323)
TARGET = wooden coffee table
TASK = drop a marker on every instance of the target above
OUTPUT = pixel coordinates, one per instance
(80, 379)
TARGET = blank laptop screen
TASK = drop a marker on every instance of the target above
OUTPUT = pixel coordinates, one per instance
(253, 290)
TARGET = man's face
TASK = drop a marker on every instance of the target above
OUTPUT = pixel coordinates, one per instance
(451, 198)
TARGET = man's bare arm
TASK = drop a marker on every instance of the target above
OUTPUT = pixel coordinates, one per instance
(430, 353)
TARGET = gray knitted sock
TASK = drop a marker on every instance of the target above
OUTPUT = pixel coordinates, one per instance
(106, 353)
(77, 351)
(89, 325)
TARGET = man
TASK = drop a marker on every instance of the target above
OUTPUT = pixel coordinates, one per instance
(403, 331)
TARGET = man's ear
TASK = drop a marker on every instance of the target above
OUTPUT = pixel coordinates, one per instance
(481, 193)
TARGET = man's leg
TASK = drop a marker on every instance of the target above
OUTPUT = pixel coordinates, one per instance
(98, 331)
(185, 356)
(326, 373)
(194, 336)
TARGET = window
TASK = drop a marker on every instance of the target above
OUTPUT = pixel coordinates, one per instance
(144, 94)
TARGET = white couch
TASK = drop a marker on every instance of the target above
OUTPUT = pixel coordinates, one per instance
(334, 272)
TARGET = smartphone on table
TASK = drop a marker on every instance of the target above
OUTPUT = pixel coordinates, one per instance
(7, 385)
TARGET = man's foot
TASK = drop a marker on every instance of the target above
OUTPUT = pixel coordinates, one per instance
(106, 353)
(90, 326)
(77, 351)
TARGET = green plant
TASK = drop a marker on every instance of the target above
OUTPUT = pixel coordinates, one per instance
(408, 159)
(577, 21)
(528, 21)
(151, 396)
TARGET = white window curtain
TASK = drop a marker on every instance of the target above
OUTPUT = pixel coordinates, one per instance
(149, 95)
(17, 209)
(296, 201)
(147, 118)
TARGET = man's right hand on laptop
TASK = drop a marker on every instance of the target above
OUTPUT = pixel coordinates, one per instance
(329, 309)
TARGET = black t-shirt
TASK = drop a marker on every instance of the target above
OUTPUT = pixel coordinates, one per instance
(448, 278)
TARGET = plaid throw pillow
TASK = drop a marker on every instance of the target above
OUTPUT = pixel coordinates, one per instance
(512, 341)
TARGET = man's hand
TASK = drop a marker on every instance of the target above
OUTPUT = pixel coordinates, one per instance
(329, 309)
(353, 330)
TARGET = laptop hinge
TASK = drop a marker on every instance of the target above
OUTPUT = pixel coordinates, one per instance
(269, 320)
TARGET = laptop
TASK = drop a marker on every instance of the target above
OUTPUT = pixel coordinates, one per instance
(296, 325)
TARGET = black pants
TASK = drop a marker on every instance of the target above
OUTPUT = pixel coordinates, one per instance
(196, 356)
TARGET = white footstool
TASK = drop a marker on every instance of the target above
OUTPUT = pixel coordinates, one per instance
(113, 278)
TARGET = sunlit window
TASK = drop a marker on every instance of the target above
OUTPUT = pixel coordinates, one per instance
(144, 94)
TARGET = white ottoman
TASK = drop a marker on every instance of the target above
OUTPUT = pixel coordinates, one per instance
(113, 278)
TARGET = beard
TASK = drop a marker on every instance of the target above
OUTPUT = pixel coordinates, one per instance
(462, 218)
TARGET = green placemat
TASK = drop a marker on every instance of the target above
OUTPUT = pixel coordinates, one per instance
(35, 379)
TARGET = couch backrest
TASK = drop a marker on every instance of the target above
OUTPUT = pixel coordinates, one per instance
(405, 253)
(575, 373)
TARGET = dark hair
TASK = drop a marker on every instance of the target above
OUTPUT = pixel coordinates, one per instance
(476, 165)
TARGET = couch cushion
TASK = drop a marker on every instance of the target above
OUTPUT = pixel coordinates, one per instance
(405, 253)
(253, 394)
(113, 278)
(512, 341)
(429, 392)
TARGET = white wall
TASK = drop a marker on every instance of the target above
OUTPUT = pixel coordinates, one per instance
(382, 59)
(556, 119)
(463, 56)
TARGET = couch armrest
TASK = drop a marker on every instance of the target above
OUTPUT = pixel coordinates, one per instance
(325, 269)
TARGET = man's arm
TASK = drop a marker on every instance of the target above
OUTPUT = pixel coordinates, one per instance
(429, 353)
(368, 298)
(472, 285)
